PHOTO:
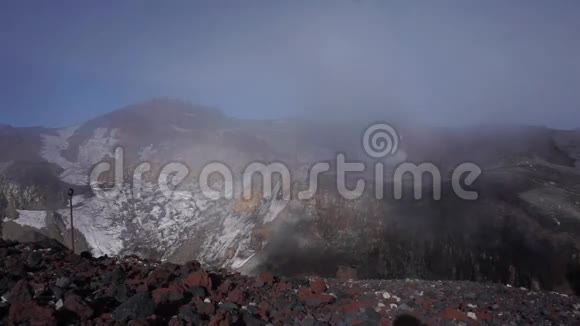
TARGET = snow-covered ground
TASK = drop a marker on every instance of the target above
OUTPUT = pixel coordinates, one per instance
(126, 223)
(92, 151)
(35, 219)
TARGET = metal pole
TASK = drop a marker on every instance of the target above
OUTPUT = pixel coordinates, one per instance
(72, 228)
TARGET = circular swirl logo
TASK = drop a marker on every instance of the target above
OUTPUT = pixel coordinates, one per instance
(380, 140)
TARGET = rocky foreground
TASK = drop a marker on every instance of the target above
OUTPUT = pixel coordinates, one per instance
(45, 284)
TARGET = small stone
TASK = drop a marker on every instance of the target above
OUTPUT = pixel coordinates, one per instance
(372, 317)
(77, 305)
(308, 321)
(57, 292)
(31, 314)
(230, 306)
(20, 293)
(405, 307)
(138, 306)
(470, 296)
(188, 314)
(237, 296)
(117, 276)
(63, 282)
(165, 295)
(264, 278)
(204, 308)
(162, 275)
(198, 291)
(250, 320)
(318, 286)
(198, 279)
(34, 259)
(472, 315)
(120, 292)
(314, 299)
(386, 295)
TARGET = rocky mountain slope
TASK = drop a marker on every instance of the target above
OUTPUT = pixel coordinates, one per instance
(45, 284)
(527, 214)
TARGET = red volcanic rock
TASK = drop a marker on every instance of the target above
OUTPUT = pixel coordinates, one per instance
(160, 295)
(263, 308)
(264, 278)
(176, 322)
(204, 308)
(198, 279)
(191, 266)
(38, 288)
(20, 293)
(129, 291)
(482, 315)
(314, 299)
(31, 313)
(106, 317)
(283, 286)
(76, 304)
(225, 287)
(355, 307)
(454, 314)
(318, 286)
(221, 319)
(237, 296)
(162, 275)
(139, 306)
(176, 290)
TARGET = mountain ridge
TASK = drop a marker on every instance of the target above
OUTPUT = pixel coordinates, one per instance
(527, 190)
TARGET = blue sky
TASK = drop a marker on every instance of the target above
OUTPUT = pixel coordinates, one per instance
(440, 62)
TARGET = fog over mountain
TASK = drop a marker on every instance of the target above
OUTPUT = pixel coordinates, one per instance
(528, 209)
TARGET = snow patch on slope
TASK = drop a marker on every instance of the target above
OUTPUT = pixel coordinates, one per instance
(149, 221)
(93, 219)
(125, 224)
(276, 205)
(35, 219)
(53, 145)
(91, 152)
